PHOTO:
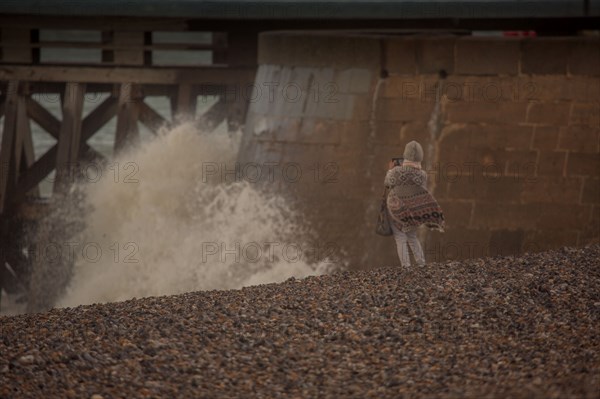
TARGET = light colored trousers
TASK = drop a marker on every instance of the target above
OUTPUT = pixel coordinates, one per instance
(403, 241)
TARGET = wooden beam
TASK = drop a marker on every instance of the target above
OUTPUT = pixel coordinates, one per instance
(24, 142)
(100, 116)
(214, 116)
(127, 117)
(219, 43)
(185, 102)
(130, 45)
(150, 118)
(95, 23)
(70, 134)
(209, 75)
(36, 173)
(2, 99)
(7, 147)
(90, 124)
(43, 117)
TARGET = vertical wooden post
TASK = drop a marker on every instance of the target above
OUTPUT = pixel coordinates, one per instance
(132, 48)
(184, 105)
(16, 45)
(219, 39)
(24, 153)
(127, 116)
(8, 167)
(70, 134)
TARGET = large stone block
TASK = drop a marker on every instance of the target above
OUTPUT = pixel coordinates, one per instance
(501, 189)
(583, 164)
(485, 56)
(315, 130)
(488, 89)
(352, 80)
(499, 113)
(400, 56)
(552, 88)
(543, 240)
(354, 133)
(580, 139)
(402, 87)
(457, 213)
(563, 216)
(549, 113)
(590, 234)
(435, 55)
(591, 191)
(462, 188)
(415, 130)
(584, 89)
(551, 189)
(520, 164)
(387, 132)
(551, 163)
(392, 109)
(505, 242)
(495, 136)
(493, 215)
(584, 58)
(587, 114)
(341, 107)
(456, 243)
(363, 108)
(545, 137)
(318, 50)
(545, 56)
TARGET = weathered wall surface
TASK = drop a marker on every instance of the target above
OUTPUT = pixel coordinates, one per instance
(512, 151)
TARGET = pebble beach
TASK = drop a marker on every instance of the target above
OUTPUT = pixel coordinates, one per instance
(504, 327)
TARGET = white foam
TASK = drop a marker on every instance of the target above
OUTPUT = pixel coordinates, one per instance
(173, 217)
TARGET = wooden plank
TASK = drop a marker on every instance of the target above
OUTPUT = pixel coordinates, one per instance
(95, 23)
(151, 119)
(210, 75)
(7, 166)
(120, 46)
(70, 134)
(127, 117)
(52, 90)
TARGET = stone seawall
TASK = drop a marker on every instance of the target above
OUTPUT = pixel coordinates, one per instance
(511, 133)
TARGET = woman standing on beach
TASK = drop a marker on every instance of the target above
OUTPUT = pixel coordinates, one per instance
(409, 203)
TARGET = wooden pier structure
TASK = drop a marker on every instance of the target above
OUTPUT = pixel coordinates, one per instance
(125, 73)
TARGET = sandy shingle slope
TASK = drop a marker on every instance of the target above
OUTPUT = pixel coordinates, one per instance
(498, 327)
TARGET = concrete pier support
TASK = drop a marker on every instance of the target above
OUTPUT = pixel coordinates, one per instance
(515, 161)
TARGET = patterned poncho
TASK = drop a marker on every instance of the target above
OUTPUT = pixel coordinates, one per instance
(409, 203)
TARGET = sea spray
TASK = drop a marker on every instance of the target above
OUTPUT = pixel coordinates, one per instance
(156, 223)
